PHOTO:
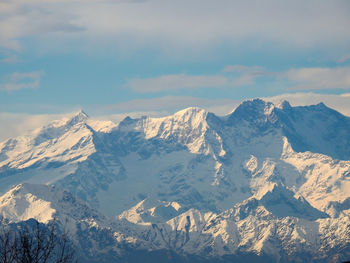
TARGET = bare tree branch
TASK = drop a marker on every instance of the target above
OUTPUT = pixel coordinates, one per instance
(33, 242)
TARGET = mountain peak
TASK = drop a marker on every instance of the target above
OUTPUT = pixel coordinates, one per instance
(254, 111)
(324, 108)
(254, 106)
(151, 210)
(321, 104)
(190, 111)
(192, 115)
(281, 202)
(80, 116)
(26, 201)
(43, 203)
(284, 105)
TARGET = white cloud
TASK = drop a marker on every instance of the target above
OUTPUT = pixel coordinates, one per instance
(19, 19)
(319, 78)
(18, 80)
(21, 123)
(196, 23)
(239, 75)
(246, 74)
(208, 21)
(316, 78)
(176, 82)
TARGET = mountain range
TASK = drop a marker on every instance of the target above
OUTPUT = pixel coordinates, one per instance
(265, 183)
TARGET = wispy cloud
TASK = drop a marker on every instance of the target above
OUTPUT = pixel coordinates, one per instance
(176, 82)
(171, 104)
(319, 78)
(313, 78)
(9, 59)
(246, 75)
(19, 80)
(234, 76)
(343, 58)
(20, 123)
(33, 18)
(187, 22)
(247, 70)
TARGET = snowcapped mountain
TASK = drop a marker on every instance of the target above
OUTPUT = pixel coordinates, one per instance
(151, 211)
(266, 182)
(94, 235)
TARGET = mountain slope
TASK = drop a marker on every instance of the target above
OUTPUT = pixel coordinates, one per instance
(252, 227)
(93, 235)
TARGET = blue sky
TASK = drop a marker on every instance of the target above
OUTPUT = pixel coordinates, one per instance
(113, 57)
